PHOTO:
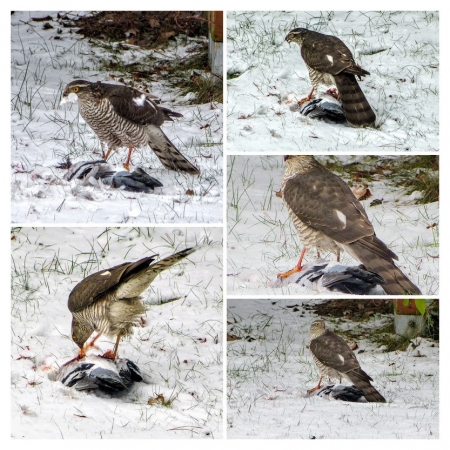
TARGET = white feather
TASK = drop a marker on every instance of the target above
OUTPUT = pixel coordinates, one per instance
(71, 98)
(342, 217)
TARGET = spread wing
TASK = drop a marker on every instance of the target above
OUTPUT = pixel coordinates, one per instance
(88, 291)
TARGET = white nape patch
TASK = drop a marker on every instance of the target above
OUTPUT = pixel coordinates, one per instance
(330, 58)
(71, 98)
(342, 217)
(341, 358)
(140, 100)
(106, 273)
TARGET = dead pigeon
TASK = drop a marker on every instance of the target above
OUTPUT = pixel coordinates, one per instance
(99, 373)
(335, 277)
(339, 392)
(95, 172)
(326, 276)
(326, 107)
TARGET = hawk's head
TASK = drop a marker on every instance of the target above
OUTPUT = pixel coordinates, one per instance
(80, 334)
(317, 328)
(297, 35)
(76, 89)
(299, 163)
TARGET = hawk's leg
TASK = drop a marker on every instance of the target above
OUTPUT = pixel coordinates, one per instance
(106, 155)
(127, 162)
(307, 99)
(113, 354)
(317, 387)
(297, 268)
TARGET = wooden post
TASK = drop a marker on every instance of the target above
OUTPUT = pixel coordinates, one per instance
(215, 48)
(407, 318)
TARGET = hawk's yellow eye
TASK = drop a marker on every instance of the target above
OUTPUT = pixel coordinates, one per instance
(75, 89)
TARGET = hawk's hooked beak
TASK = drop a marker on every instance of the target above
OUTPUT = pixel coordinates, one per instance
(288, 39)
(68, 98)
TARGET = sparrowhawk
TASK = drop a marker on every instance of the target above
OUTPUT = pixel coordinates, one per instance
(334, 359)
(330, 62)
(108, 301)
(327, 215)
(122, 116)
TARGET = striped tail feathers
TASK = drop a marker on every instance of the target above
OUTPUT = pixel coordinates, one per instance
(170, 157)
(171, 260)
(395, 281)
(356, 108)
(371, 394)
(141, 280)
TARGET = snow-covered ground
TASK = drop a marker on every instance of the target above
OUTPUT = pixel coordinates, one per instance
(270, 369)
(262, 240)
(178, 348)
(44, 133)
(266, 76)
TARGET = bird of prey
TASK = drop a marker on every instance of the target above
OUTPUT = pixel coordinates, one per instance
(334, 359)
(108, 301)
(327, 215)
(330, 62)
(122, 116)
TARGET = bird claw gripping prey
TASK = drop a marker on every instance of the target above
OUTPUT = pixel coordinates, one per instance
(122, 116)
(327, 216)
(108, 302)
(334, 359)
(297, 268)
(330, 62)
